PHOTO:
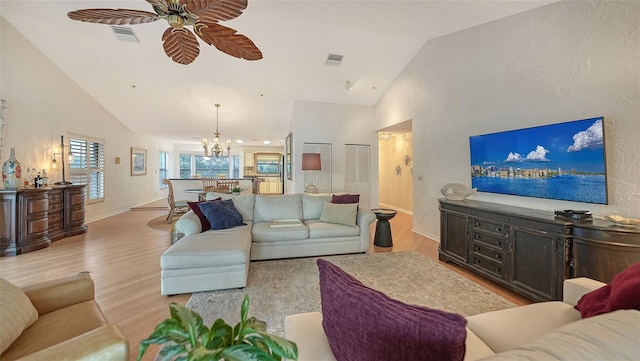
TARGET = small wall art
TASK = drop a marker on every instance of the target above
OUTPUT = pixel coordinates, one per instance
(138, 161)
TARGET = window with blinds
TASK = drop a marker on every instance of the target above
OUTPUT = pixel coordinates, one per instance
(87, 166)
(163, 168)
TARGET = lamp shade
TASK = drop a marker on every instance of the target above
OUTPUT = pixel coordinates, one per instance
(311, 161)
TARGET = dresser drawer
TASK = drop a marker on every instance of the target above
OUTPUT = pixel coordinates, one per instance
(487, 251)
(492, 240)
(492, 227)
(488, 265)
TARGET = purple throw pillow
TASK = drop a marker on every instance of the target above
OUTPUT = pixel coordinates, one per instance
(623, 293)
(345, 198)
(221, 214)
(363, 324)
(203, 220)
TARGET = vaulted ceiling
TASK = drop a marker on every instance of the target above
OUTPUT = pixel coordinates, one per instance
(151, 94)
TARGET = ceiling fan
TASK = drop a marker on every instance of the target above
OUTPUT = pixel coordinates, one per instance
(179, 43)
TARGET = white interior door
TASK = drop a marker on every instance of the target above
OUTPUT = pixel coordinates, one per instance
(357, 174)
(322, 179)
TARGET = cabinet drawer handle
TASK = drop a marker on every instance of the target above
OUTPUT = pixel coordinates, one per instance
(477, 224)
(499, 243)
(477, 249)
(477, 236)
(498, 256)
(498, 229)
(498, 270)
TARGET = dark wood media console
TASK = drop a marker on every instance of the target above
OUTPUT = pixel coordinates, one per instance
(531, 251)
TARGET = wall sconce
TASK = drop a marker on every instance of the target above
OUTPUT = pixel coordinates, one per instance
(54, 162)
(311, 162)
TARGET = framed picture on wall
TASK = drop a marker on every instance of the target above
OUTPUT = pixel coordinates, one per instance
(287, 156)
(138, 161)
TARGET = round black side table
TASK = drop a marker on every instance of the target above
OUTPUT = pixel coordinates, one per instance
(383, 227)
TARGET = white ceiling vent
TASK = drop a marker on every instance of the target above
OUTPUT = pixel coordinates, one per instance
(334, 59)
(124, 33)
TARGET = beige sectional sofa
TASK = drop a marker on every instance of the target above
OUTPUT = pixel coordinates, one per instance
(540, 331)
(219, 259)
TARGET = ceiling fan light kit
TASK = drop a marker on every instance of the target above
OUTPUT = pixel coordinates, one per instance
(179, 43)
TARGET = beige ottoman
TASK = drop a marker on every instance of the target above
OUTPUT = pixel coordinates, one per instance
(207, 261)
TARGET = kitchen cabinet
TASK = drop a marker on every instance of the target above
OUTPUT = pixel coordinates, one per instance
(271, 185)
(249, 160)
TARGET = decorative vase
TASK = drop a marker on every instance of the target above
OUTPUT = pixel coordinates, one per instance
(11, 172)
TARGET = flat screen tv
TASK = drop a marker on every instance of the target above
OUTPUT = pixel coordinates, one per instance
(564, 161)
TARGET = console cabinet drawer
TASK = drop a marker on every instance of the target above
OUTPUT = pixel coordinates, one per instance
(488, 239)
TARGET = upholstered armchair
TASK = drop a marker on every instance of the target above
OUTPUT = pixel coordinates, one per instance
(57, 320)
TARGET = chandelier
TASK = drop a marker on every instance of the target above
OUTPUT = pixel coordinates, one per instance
(216, 150)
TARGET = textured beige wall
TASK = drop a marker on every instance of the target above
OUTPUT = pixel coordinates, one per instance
(564, 61)
(395, 172)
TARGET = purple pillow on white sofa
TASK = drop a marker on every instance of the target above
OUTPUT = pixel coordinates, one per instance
(363, 324)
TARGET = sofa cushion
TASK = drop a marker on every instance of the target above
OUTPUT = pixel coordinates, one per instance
(16, 313)
(312, 205)
(221, 214)
(320, 230)
(262, 232)
(623, 293)
(339, 213)
(345, 198)
(611, 336)
(365, 324)
(204, 222)
(225, 247)
(55, 327)
(244, 205)
(496, 328)
(266, 208)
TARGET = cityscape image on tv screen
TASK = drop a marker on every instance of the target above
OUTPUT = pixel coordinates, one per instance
(563, 161)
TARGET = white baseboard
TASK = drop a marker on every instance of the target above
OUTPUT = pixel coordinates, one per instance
(386, 205)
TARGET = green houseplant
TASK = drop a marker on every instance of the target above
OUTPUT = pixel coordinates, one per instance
(186, 338)
(236, 190)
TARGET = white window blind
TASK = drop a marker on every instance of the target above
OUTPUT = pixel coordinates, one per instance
(163, 168)
(87, 166)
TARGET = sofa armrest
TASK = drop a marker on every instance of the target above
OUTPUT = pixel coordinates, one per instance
(574, 288)
(305, 329)
(364, 218)
(189, 223)
(103, 343)
(59, 293)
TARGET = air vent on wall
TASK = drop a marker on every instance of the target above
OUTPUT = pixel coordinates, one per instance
(124, 33)
(334, 59)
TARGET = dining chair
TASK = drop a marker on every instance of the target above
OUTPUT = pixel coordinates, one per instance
(255, 185)
(225, 186)
(209, 184)
(176, 208)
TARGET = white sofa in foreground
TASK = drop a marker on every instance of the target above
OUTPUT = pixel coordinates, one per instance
(540, 331)
(219, 259)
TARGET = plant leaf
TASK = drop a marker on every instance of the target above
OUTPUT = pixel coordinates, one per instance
(168, 352)
(244, 310)
(256, 324)
(280, 346)
(190, 322)
(245, 352)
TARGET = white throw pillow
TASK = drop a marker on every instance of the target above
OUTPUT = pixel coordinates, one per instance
(16, 313)
(340, 213)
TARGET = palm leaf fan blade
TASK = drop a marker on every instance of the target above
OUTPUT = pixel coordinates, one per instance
(211, 11)
(113, 16)
(180, 45)
(228, 41)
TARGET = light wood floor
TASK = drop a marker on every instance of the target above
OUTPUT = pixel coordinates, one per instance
(123, 255)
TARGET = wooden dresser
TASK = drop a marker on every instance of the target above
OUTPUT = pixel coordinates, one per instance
(30, 219)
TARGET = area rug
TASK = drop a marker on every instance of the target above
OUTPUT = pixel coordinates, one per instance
(160, 223)
(283, 287)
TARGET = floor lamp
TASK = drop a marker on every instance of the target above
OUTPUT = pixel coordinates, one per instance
(311, 163)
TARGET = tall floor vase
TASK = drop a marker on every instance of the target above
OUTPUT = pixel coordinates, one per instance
(11, 172)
